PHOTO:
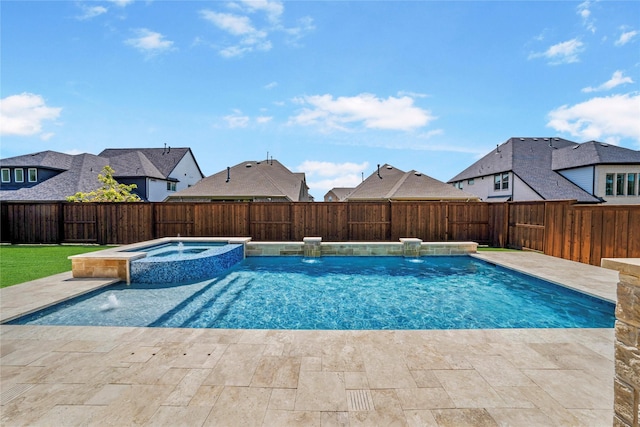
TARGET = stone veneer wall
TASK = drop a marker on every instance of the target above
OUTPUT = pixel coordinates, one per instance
(314, 247)
(627, 342)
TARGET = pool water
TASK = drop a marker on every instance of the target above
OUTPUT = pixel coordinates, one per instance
(346, 293)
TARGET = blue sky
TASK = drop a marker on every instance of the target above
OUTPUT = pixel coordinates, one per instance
(330, 88)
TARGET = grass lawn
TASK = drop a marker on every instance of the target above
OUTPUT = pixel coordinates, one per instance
(22, 263)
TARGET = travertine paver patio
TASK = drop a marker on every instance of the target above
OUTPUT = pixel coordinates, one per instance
(54, 375)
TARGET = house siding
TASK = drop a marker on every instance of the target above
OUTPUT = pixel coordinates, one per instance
(601, 172)
(582, 177)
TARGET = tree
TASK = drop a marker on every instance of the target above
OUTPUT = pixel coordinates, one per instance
(110, 191)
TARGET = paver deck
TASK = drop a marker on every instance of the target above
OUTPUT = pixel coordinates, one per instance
(60, 375)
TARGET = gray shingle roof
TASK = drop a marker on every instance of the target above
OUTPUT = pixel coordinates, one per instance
(593, 153)
(390, 183)
(43, 159)
(249, 180)
(82, 175)
(341, 192)
(163, 159)
(531, 160)
(79, 172)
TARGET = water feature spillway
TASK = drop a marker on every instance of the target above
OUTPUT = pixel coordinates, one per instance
(185, 262)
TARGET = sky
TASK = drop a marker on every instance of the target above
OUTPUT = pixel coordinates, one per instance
(329, 88)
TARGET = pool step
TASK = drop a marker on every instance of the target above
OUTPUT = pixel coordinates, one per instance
(211, 301)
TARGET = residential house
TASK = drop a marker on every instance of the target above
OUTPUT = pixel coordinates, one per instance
(523, 169)
(390, 183)
(53, 176)
(252, 181)
(158, 172)
(338, 194)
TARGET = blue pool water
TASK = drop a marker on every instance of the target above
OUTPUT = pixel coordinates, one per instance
(341, 293)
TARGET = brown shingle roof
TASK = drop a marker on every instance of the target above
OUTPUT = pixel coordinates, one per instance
(390, 183)
(254, 180)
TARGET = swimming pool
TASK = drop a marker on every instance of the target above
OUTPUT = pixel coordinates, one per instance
(347, 293)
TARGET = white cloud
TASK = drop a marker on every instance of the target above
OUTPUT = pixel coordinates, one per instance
(323, 176)
(561, 53)
(584, 12)
(616, 80)
(271, 85)
(264, 119)
(626, 37)
(149, 42)
(273, 9)
(23, 115)
(610, 118)
(237, 120)
(121, 3)
(89, 12)
(365, 109)
(249, 38)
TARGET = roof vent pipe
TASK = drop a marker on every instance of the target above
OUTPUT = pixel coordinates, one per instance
(228, 174)
(379, 171)
(497, 148)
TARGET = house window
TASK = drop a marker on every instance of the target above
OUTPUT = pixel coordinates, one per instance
(171, 186)
(6, 175)
(470, 181)
(608, 186)
(620, 184)
(505, 181)
(631, 184)
(33, 175)
(19, 175)
(496, 182)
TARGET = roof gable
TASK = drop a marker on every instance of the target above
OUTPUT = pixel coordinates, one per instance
(250, 179)
(390, 183)
(593, 153)
(163, 159)
(43, 159)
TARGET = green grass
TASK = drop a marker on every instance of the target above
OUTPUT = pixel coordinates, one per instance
(23, 263)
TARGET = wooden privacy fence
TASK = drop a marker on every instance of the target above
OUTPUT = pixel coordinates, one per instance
(584, 233)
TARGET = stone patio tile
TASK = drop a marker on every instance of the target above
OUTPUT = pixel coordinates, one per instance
(425, 379)
(388, 411)
(593, 417)
(420, 418)
(66, 415)
(498, 371)
(280, 418)
(179, 416)
(187, 388)
(572, 388)
(356, 380)
(277, 372)
(321, 391)
(522, 355)
(240, 406)
(468, 389)
(425, 357)
(519, 417)
(334, 419)
(206, 395)
(237, 365)
(558, 415)
(283, 399)
(108, 394)
(463, 418)
(311, 363)
(424, 398)
(134, 406)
